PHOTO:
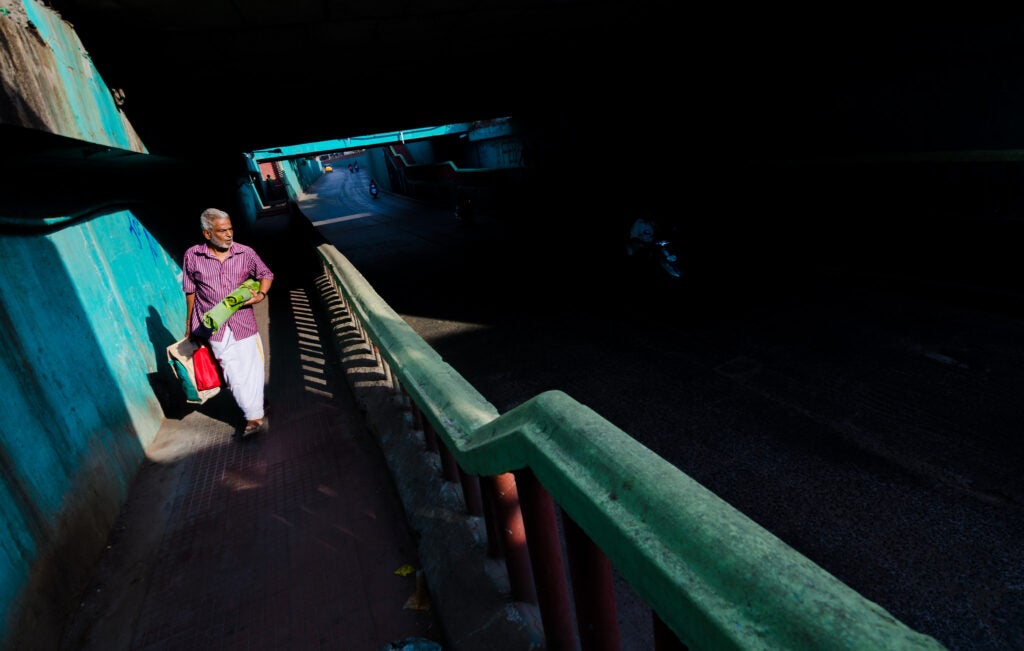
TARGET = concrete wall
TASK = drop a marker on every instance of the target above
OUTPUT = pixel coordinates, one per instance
(497, 153)
(50, 83)
(422, 151)
(86, 312)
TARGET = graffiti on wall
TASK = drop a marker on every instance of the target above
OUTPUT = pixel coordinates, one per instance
(143, 237)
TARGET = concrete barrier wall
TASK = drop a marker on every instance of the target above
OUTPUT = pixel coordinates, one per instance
(83, 332)
(85, 314)
(51, 83)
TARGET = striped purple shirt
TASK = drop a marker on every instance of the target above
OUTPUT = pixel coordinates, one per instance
(212, 280)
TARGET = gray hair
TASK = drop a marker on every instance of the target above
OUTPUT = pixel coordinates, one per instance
(209, 216)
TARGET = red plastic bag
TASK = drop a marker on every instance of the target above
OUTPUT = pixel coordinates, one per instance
(207, 371)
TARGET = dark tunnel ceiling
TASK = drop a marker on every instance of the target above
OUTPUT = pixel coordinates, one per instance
(249, 75)
(239, 76)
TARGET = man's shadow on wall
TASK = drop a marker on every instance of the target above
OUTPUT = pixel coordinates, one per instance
(166, 386)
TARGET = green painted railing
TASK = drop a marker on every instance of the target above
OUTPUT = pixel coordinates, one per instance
(714, 576)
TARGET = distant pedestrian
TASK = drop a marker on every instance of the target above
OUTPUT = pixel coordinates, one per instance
(641, 235)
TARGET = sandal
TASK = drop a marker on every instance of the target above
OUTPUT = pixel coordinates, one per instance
(254, 427)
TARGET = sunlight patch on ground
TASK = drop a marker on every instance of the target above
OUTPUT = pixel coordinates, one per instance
(318, 392)
(345, 218)
(237, 481)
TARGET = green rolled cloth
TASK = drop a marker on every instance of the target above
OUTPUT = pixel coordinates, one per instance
(220, 312)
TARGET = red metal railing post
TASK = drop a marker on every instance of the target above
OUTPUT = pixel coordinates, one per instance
(592, 588)
(491, 518)
(546, 558)
(513, 535)
(417, 416)
(430, 437)
(449, 467)
(471, 493)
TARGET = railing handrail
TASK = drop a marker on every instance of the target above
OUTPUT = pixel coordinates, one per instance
(713, 575)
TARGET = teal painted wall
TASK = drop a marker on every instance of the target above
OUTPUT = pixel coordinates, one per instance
(297, 174)
(422, 151)
(59, 84)
(83, 331)
(499, 153)
(85, 315)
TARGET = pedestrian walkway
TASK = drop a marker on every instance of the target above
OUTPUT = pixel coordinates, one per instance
(292, 539)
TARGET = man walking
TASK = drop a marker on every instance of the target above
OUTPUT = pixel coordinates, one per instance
(211, 271)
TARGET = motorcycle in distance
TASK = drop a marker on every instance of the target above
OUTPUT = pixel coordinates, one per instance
(648, 245)
(667, 258)
(373, 189)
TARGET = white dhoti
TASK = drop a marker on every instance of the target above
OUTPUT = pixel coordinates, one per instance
(243, 365)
